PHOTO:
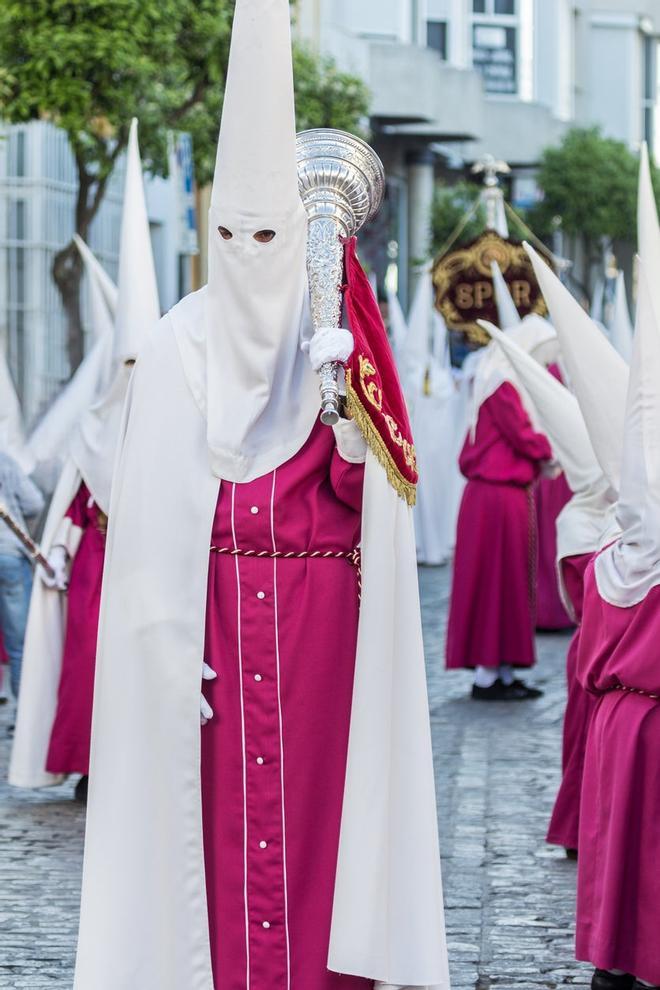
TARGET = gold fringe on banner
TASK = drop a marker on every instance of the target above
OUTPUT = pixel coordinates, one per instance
(404, 488)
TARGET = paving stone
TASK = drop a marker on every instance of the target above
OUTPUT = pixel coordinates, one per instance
(509, 898)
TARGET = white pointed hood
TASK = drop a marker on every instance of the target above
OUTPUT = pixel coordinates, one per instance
(261, 394)
(507, 311)
(536, 337)
(621, 328)
(648, 228)
(138, 308)
(418, 342)
(581, 524)
(558, 411)
(94, 443)
(598, 375)
(627, 570)
(397, 325)
(49, 442)
(94, 266)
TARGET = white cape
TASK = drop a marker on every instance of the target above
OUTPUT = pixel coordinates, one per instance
(143, 918)
(42, 657)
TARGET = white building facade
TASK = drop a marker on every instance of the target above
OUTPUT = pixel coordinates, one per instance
(37, 199)
(454, 79)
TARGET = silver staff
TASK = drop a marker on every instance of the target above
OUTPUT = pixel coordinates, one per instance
(342, 182)
(26, 540)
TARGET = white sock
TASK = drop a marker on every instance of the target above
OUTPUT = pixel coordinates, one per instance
(506, 674)
(485, 677)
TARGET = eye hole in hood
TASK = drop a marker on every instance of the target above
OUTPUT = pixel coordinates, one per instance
(225, 233)
(264, 236)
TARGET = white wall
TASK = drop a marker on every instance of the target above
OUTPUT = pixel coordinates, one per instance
(615, 77)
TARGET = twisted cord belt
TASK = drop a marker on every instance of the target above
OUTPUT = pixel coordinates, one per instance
(352, 557)
(630, 690)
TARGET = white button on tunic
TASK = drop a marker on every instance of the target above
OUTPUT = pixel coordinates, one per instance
(260, 760)
(261, 595)
(258, 677)
(254, 510)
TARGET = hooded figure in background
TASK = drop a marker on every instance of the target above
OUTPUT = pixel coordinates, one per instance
(551, 494)
(584, 526)
(618, 877)
(492, 609)
(264, 847)
(53, 726)
(433, 401)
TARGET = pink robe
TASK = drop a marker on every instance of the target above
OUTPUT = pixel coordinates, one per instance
(565, 822)
(68, 751)
(552, 495)
(619, 864)
(491, 616)
(281, 636)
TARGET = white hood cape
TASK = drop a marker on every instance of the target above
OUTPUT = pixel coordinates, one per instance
(628, 569)
(436, 414)
(91, 455)
(586, 522)
(143, 920)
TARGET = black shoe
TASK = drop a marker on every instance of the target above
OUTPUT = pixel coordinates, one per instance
(496, 692)
(571, 854)
(602, 980)
(642, 986)
(522, 692)
(80, 793)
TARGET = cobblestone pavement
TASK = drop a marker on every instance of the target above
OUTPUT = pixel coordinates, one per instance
(509, 897)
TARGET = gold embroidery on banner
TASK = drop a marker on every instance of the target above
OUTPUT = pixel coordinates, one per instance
(370, 389)
(407, 490)
(400, 441)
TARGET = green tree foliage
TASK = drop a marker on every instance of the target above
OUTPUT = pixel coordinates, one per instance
(91, 65)
(589, 182)
(451, 206)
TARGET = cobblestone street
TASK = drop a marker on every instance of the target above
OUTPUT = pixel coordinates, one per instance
(509, 897)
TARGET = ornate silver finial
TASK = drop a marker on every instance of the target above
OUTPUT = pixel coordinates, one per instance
(342, 183)
(491, 168)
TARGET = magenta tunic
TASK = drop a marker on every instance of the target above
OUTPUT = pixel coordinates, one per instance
(619, 864)
(70, 737)
(491, 616)
(281, 635)
(552, 495)
(565, 821)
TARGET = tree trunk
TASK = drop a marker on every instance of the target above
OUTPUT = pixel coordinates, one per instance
(67, 273)
(67, 266)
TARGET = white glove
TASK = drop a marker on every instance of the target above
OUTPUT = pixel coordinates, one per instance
(329, 344)
(205, 710)
(58, 560)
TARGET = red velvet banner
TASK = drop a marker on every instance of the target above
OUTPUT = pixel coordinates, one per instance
(375, 396)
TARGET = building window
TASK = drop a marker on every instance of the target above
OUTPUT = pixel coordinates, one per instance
(506, 7)
(494, 55)
(436, 37)
(495, 29)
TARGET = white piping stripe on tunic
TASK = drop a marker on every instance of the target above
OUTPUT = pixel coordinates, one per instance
(279, 709)
(240, 675)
